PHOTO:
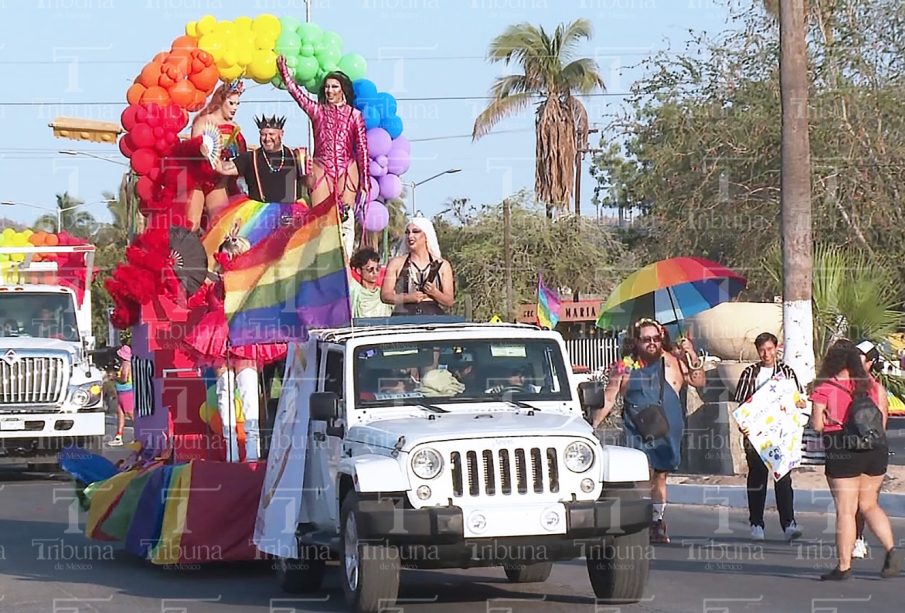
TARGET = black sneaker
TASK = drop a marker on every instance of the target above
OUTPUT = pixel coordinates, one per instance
(892, 565)
(836, 575)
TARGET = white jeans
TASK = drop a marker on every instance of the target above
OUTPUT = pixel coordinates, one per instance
(246, 384)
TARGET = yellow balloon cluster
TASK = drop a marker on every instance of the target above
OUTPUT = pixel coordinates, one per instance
(243, 47)
(12, 238)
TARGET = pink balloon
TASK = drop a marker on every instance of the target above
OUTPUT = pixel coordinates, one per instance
(398, 162)
(390, 186)
(376, 216)
(376, 170)
(379, 142)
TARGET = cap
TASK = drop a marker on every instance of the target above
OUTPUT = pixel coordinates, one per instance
(125, 352)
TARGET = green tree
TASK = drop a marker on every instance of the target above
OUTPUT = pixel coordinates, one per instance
(550, 72)
(76, 222)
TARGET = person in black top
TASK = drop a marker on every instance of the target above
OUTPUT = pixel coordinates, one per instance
(420, 282)
(274, 172)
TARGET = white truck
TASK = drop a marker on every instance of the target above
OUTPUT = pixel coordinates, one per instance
(50, 393)
(447, 445)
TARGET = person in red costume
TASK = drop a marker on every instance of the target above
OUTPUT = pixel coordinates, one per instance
(340, 164)
(221, 113)
(236, 367)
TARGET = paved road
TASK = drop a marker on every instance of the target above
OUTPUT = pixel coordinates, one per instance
(47, 565)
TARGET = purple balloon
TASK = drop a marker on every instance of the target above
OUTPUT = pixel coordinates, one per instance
(376, 170)
(376, 216)
(390, 186)
(402, 143)
(382, 160)
(379, 142)
(375, 187)
(399, 161)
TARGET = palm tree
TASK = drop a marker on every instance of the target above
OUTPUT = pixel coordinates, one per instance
(549, 72)
(69, 218)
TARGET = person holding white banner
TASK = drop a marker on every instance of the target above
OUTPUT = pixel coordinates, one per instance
(752, 379)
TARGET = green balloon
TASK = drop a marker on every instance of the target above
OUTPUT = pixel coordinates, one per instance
(332, 39)
(307, 49)
(306, 69)
(290, 23)
(287, 44)
(310, 32)
(278, 82)
(328, 57)
(314, 85)
(354, 65)
(292, 61)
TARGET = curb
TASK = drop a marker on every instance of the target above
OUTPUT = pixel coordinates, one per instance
(814, 501)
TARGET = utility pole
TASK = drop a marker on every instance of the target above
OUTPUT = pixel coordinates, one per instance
(795, 192)
(580, 150)
(507, 255)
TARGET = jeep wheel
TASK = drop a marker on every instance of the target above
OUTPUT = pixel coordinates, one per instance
(618, 567)
(529, 573)
(370, 572)
(300, 576)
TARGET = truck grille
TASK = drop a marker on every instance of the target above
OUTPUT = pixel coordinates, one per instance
(32, 380)
(518, 471)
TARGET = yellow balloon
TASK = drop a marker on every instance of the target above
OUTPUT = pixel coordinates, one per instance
(230, 73)
(264, 42)
(245, 53)
(27, 232)
(263, 67)
(7, 232)
(213, 44)
(230, 57)
(243, 24)
(191, 29)
(268, 25)
(206, 24)
(225, 29)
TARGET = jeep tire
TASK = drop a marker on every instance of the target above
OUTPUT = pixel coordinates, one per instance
(301, 576)
(528, 573)
(618, 567)
(370, 573)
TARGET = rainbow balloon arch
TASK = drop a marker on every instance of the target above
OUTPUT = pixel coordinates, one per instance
(179, 81)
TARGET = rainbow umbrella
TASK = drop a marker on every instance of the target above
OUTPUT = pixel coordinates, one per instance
(670, 290)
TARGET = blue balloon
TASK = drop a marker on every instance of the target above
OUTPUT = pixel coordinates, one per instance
(364, 88)
(387, 104)
(371, 116)
(392, 124)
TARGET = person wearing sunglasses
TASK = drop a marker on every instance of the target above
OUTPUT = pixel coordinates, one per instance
(650, 379)
(365, 295)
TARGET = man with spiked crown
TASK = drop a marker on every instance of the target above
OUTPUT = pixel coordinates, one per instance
(274, 172)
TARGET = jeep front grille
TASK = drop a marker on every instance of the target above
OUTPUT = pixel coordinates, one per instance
(504, 472)
(32, 380)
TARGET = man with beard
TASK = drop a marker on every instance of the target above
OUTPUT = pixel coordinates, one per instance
(274, 172)
(650, 379)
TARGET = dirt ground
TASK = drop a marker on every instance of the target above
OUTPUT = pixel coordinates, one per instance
(804, 478)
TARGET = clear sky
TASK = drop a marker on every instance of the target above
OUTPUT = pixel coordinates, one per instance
(76, 58)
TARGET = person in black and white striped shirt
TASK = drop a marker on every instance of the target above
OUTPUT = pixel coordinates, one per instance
(751, 379)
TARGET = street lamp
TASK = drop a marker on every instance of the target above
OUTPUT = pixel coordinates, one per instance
(414, 184)
(90, 155)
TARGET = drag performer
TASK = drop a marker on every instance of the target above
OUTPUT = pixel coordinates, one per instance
(220, 113)
(340, 145)
(273, 173)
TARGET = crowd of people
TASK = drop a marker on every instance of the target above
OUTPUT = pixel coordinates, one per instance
(654, 372)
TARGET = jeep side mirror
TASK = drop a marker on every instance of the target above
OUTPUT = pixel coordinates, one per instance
(324, 406)
(590, 395)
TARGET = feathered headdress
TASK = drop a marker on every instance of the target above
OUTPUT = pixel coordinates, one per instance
(235, 87)
(274, 122)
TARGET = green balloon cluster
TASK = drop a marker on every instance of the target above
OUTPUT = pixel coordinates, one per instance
(312, 52)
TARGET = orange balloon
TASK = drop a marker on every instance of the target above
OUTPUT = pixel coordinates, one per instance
(155, 95)
(182, 62)
(52, 240)
(207, 79)
(198, 102)
(183, 93)
(149, 74)
(135, 92)
(186, 43)
(161, 57)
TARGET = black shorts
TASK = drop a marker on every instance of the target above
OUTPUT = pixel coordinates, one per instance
(844, 463)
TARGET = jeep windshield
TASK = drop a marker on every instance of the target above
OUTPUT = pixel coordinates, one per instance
(40, 315)
(444, 371)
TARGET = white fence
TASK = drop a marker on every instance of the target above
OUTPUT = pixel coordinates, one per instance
(595, 353)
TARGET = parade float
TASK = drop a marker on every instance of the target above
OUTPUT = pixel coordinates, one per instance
(178, 498)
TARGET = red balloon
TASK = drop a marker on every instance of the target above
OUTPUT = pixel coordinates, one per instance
(141, 115)
(161, 145)
(159, 132)
(143, 160)
(144, 188)
(127, 119)
(142, 135)
(125, 145)
(172, 138)
(154, 173)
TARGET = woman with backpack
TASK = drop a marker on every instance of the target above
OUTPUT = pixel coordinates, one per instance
(844, 399)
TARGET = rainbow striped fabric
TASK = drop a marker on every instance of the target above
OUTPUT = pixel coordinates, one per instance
(292, 280)
(256, 220)
(548, 305)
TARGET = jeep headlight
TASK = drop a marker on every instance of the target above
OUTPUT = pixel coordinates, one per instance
(578, 456)
(87, 395)
(427, 463)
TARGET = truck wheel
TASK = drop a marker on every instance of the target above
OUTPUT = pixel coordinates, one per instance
(300, 576)
(618, 568)
(370, 575)
(529, 573)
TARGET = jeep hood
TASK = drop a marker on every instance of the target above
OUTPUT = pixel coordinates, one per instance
(458, 426)
(29, 343)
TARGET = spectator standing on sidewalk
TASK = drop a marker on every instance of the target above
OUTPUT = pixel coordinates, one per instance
(654, 375)
(124, 395)
(751, 380)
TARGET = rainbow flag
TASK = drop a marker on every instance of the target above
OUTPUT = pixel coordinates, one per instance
(548, 305)
(293, 280)
(257, 220)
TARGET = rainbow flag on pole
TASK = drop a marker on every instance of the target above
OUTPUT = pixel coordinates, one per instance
(548, 305)
(293, 280)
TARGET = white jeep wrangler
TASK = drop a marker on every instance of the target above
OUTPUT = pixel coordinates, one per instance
(438, 445)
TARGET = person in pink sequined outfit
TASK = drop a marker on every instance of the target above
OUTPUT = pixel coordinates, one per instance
(340, 164)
